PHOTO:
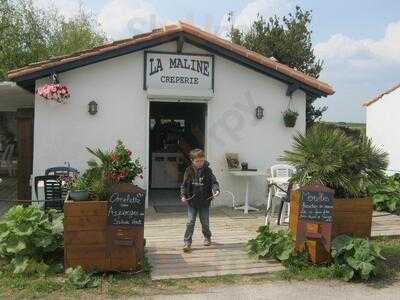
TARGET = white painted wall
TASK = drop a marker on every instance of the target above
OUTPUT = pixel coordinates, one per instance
(63, 131)
(382, 126)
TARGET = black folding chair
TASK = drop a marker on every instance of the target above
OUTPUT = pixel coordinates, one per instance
(54, 193)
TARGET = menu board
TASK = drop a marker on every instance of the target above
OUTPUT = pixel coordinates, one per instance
(126, 208)
(316, 205)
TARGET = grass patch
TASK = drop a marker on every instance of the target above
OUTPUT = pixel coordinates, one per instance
(390, 268)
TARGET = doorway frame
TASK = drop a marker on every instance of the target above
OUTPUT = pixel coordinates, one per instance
(147, 148)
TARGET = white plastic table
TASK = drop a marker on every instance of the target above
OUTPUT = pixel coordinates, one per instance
(246, 175)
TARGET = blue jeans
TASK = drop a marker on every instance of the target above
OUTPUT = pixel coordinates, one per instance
(204, 215)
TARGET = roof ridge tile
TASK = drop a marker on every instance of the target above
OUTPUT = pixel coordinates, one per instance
(380, 95)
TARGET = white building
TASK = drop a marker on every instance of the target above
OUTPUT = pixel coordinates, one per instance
(383, 122)
(180, 73)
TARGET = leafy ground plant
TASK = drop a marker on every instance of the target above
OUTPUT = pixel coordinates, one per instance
(29, 238)
(386, 194)
(271, 244)
(80, 279)
(355, 258)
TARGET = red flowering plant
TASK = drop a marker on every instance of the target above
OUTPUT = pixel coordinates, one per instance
(117, 165)
(54, 91)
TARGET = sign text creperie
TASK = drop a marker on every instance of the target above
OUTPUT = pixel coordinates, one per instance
(179, 73)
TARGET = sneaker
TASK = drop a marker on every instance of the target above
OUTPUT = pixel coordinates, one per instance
(207, 242)
(186, 247)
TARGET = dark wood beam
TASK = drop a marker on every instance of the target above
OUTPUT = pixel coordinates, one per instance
(179, 43)
(292, 88)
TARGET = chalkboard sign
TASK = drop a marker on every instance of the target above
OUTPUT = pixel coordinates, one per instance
(316, 205)
(126, 207)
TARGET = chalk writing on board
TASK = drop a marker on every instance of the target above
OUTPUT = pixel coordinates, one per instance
(126, 208)
(316, 205)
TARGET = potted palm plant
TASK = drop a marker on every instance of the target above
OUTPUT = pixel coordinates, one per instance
(328, 156)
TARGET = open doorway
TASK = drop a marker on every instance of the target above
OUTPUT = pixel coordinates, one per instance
(175, 129)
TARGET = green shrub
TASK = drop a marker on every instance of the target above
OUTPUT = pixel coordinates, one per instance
(330, 157)
(386, 194)
(354, 258)
(354, 133)
(290, 117)
(76, 184)
(271, 244)
(79, 278)
(29, 239)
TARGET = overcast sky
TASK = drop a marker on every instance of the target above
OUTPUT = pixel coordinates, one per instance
(359, 41)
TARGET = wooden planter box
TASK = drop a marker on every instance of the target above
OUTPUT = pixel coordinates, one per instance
(349, 216)
(93, 244)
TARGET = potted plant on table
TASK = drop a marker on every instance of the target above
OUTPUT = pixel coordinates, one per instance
(329, 157)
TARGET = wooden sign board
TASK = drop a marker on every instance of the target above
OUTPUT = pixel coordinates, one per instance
(126, 205)
(314, 227)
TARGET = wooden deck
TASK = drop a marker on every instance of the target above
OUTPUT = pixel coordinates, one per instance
(385, 224)
(227, 255)
(231, 230)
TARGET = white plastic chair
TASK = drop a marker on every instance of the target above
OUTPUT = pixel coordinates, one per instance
(280, 175)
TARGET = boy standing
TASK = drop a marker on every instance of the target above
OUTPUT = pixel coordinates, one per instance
(198, 188)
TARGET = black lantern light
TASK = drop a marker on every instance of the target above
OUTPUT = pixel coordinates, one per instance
(92, 107)
(259, 112)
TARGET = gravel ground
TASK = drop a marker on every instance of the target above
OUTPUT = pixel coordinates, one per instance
(307, 290)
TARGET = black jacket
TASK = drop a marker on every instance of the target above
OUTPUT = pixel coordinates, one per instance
(201, 187)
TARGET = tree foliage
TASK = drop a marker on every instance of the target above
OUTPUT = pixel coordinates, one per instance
(289, 41)
(29, 34)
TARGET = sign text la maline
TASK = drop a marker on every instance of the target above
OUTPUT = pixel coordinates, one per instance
(196, 65)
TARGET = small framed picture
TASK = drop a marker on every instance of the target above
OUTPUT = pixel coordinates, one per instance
(232, 159)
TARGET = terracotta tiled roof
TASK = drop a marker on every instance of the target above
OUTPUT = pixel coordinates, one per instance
(376, 98)
(180, 27)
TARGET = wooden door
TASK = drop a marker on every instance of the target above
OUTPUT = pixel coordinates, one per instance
(25, 152)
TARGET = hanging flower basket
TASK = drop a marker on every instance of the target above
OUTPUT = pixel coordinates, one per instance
(54, 92)
(290, 117)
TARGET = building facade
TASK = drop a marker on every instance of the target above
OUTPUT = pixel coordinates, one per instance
(168, 78)
(382, 121)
